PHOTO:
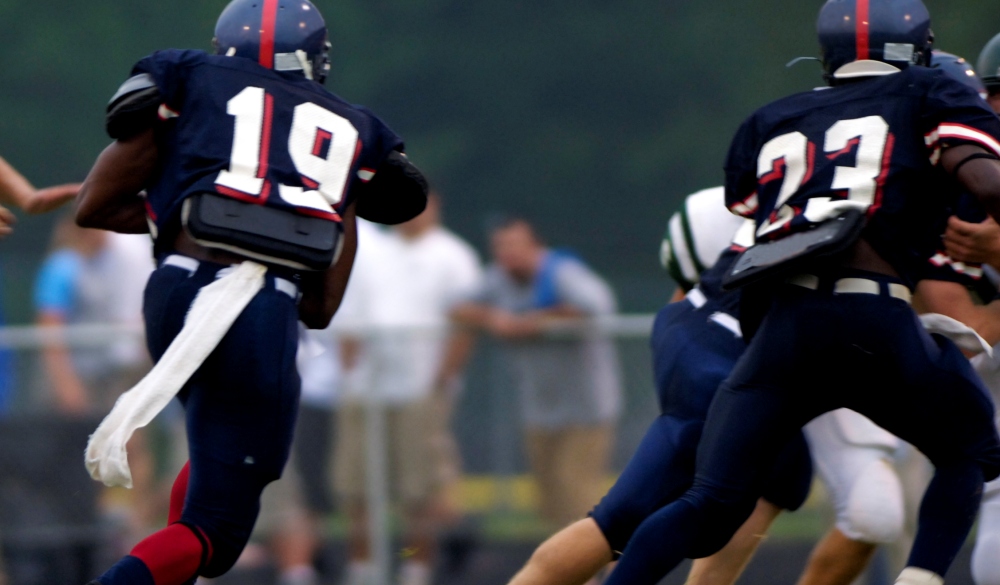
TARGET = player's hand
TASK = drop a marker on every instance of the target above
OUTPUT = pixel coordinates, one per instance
(7, 221)
(45, 200)
(973, 242)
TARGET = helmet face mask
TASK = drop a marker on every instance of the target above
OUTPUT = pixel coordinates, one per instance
(896, 33)
(284, 35)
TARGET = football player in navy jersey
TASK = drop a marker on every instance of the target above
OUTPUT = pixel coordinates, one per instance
(695, 342)
(969, 240)
(836, 330)
(242, 155)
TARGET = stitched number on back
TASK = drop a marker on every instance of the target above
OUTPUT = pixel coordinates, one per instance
(315, 130)
(871, 134)
(244, 174)
(786, 159)
(790, 157)
(321, 144)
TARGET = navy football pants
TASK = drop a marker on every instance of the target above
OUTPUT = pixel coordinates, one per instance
(240, 412)
(692, 356)
(816, 352)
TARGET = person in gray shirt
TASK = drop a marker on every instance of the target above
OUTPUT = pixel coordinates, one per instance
(570, 385)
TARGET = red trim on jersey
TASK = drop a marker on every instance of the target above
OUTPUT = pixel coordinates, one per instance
(265, 146)
(862, 28)
(309, 183)
(268, 20)
(322, 137)
(149, 210)
(810, 162)
(312, 212)
(970, 134)
(777, 172)
(851, 144)
(890, 143)
(230, 192)
(265, 136)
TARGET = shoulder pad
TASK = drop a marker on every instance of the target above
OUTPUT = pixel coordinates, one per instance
(396, 194)
(133, 107)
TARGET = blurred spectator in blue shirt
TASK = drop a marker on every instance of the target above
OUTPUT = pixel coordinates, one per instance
(86, 281)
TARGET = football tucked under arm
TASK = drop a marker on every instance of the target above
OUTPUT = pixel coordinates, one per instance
(396, 194)
(133, 108)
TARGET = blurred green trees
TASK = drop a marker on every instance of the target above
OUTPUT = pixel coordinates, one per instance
(592, 118)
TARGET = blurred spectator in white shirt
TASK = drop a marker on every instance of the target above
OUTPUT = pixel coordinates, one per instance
(409, 277)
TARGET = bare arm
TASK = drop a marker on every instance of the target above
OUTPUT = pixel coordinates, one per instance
(322, 292)
(109, 198)
(70, 395)
(15, 190)
(953, 300)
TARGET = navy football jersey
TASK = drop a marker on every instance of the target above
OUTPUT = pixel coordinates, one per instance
(872, 145)
(232, 127)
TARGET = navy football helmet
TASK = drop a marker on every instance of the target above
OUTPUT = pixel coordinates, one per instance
(894, 32)
(989, 64)
(959, 69)
(284, 35)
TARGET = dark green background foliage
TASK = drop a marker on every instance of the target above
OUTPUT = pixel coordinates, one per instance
(591, 118)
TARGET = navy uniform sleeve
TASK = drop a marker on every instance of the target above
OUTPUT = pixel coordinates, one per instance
(169, 69)
(741, 171)
(386, 141)
(955, 114)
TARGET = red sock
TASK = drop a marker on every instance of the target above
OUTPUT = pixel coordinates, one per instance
(172, 555)
(178, 493)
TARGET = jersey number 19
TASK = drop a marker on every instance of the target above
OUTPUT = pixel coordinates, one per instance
(313, 128)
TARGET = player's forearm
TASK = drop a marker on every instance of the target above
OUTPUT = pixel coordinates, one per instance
(323, 292)
(15, 190)
(109, 198)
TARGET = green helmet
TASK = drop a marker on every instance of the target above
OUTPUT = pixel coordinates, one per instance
(989, 65)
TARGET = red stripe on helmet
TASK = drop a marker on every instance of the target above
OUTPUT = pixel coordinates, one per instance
(861, 31)
(268, 20)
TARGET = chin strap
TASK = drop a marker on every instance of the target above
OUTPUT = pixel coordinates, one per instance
(307, 66)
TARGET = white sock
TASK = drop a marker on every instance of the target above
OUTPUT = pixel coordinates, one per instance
(915, 576)
(301, 575)
(414, 573)
(359, 573)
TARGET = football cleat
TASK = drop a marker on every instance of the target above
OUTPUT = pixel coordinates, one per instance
(873, 36)
(284, 35)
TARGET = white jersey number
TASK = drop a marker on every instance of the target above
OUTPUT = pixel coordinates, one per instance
(789, 157)
(313, 128)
